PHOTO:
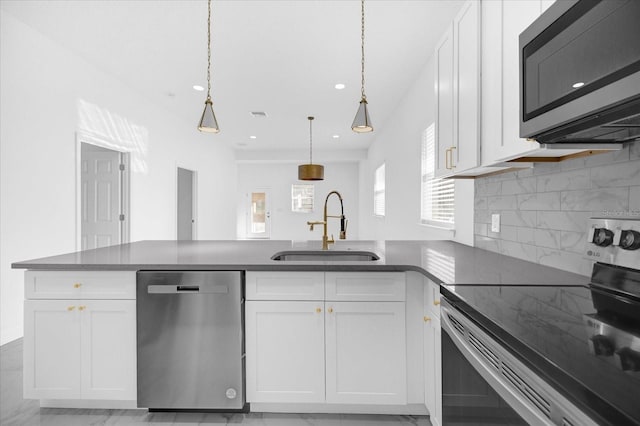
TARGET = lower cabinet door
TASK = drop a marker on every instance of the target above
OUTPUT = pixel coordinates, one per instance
(432, 369)
(366, 353)
(80, 349)
(51, 349)
(285, 351)
(108, 349)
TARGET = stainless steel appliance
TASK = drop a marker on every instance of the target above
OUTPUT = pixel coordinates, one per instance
(580, 73)
(549, 355)
(190, 340)
(614, 330)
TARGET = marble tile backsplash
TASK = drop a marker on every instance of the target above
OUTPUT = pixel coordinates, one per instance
(544, 210)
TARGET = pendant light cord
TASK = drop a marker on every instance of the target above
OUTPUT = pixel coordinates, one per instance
(209, 53)
(362, 50)
(310, 141)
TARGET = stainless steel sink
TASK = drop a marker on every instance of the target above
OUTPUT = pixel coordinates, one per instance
(326, 255)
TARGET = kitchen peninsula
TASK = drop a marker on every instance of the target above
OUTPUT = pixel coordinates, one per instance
(407, 280)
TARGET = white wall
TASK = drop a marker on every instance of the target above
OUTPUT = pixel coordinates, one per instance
(48, 95)
(398, 145)
(286, 225)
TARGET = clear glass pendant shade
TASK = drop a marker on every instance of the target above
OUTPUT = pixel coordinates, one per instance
(208, 122)
(362, 122)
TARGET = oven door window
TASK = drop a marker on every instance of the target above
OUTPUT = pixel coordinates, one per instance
(593, 44)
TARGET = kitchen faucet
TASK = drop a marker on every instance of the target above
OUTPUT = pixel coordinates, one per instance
(343, 222)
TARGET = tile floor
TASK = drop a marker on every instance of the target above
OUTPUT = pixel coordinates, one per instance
(17, 411)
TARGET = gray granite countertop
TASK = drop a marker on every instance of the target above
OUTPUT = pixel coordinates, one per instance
(444, 262)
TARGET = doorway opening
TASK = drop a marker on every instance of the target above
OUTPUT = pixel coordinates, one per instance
(259, 214)
(186, 207)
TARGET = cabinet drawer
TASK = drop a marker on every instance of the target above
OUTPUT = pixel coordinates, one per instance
(80, 284)
(365, 286)
(285, 285)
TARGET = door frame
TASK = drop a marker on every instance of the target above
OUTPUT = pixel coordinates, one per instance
(125, 183)
(250, 235)
(194, 201)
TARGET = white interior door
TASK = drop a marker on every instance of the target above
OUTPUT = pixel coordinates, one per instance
(258, 214)
(101, 186)
(185, 208)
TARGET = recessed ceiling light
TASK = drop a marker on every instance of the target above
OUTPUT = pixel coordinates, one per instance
(336, 136)
(578, 84)
(198, 88)
(339, 86)
(252, 137)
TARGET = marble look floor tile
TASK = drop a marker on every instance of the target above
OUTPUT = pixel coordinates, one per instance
(16, 411)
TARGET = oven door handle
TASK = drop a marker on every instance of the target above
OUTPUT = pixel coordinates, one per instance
(501, 370)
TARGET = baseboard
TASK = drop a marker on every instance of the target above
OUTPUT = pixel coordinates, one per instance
(406, 410)
(89, 403)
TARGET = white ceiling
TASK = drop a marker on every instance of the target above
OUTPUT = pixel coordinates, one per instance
(281, 57)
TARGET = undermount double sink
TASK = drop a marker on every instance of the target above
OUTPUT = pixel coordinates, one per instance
(326, 255)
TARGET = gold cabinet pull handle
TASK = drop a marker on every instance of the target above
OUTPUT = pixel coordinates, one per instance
(446, 158)
(436, 302)
(77, 285)
(427, 318)
(330, 310)
(70, 308)
(82, 308)
(318, 310)
(451, 150)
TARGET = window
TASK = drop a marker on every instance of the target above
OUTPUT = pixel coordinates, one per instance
(378, 191)
(302, 198)
(437, 207)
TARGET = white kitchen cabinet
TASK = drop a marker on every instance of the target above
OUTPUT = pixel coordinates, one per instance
(444, 102)
(457, 58)
(278, 285)
(80, 349)
(80, 335)
(285, 351)
(502, 23)
(432, 352)
(331, 351)
(365, 356)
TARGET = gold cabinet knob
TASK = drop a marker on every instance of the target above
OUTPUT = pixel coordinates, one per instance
(71, 308)
(427, 318)
(436, 302)
(82, 308)
(330, 310)
(77, 285)
(318, 310)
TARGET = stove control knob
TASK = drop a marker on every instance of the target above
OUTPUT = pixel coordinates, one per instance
(629, 359)
(630, 240)
(602, 345)
(602, 237)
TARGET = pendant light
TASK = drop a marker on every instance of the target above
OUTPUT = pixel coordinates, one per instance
(208, 122)
(362, 122)
(310, 171)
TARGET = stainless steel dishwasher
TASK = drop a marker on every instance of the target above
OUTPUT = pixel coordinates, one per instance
(190, 340)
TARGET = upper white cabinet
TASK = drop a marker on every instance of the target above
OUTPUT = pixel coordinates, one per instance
(502, 23)
(457, 61)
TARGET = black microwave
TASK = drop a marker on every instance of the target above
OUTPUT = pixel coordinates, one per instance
(580, 73)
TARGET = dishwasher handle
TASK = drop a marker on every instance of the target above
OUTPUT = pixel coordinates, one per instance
(188, 289)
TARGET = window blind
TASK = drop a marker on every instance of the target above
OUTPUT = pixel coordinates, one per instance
(438, 198)
(378, 191)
